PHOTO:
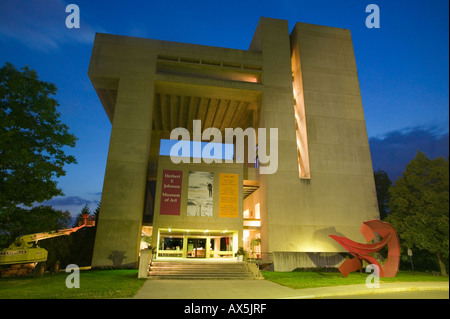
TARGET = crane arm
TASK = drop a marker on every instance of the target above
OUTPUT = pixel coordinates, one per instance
(28, 240)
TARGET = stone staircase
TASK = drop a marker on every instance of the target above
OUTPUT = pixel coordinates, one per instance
(202, 270)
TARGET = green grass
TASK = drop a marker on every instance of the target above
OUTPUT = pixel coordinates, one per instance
(94, 284)
(102, 284)
(311, 279)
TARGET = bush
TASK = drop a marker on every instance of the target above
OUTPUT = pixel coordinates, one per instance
(422, 261)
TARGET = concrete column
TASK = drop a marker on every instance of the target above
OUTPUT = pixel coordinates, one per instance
(207, 249)
(144, 263)
(185, 244)
(119, 225)
(277, 190)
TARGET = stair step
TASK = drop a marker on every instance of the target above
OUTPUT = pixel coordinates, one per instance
(196, 269)
(199, 270)
(198, 275)
(195, 265)
(198, 278)
(195, 272)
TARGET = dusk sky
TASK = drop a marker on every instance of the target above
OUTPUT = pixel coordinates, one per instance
(403, 66)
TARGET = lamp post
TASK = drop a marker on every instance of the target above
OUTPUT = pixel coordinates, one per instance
(410, 253)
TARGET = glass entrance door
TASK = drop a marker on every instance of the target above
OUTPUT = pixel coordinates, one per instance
(196, 248)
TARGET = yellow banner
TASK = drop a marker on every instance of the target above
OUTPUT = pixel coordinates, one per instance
(229, 195)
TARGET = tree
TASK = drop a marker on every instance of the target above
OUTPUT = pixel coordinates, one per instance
(419, 206)
(83, 240)
(84, 211)
(81, 244)
(382, 184)
(29, 221)
(32, 139)
(96, 215)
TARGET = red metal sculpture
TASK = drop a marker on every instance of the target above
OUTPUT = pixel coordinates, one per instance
(363, 251)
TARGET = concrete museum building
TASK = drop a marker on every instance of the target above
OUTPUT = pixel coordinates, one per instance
(292, 98)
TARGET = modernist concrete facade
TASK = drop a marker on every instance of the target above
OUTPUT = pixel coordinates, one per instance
(303, 82)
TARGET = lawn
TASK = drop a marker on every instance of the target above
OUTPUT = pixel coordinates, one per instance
(94, 284)
(103, 284)
(311, 279)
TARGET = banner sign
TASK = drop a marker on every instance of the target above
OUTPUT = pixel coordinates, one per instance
(171, 192)
(200, 194)
(228, 195)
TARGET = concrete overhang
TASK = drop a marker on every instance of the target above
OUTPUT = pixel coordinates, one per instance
(221, 87)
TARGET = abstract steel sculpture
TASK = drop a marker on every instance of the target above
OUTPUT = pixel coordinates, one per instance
(363, 251)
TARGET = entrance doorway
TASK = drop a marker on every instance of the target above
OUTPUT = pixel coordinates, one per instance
(189, 243)
(196, 248)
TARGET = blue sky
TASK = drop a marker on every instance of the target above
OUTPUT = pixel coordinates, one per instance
(403, 66)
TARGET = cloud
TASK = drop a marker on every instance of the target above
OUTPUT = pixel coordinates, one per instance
(73, 204)
(97, 194)
(69, 201)
(41, 25)
(392, 152)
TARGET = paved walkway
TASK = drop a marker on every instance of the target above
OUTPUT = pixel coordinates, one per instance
(264, 289)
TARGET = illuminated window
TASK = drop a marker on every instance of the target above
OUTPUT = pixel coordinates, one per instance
(246, 214)
(252, 223)
(300, 116)
(246, 233)
(257, 213)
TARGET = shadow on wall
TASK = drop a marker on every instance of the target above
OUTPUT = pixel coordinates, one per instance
(286, 261)
(322, 236)
(117, 257)
(329, 258)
